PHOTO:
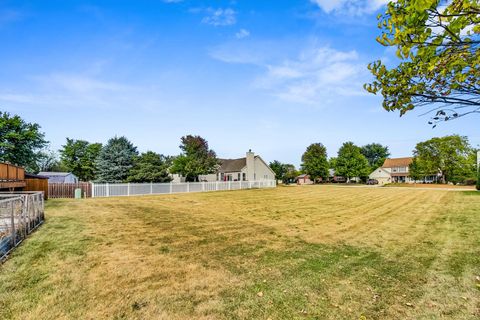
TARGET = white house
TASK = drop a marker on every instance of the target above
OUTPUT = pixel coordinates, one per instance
(60, 177)
(249, 168)
(396, 170)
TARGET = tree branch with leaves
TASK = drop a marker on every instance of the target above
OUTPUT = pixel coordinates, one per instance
(438, 46)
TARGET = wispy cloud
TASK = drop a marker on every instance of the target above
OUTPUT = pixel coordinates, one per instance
(242, 33)
(316, 74)
(172, 1)
(220, 17)
(79, 90)
(350, 7)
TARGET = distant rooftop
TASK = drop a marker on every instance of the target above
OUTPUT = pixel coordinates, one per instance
(397, 162)
(54, 174)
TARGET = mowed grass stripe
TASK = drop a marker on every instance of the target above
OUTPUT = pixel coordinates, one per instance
(293, 252)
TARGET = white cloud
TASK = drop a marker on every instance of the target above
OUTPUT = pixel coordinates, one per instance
(316, 75)
(350, 7)
(79, 90)
(172, 1)
(242, 33)
(220, 17)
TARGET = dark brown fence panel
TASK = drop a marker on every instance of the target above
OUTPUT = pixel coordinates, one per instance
(35, 184)
(67, 190)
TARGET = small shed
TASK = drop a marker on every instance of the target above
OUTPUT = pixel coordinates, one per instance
(303, 179)
(60, 177)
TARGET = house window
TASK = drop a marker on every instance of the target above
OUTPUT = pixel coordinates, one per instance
(222, 176)
(238, 176)
(244, 176)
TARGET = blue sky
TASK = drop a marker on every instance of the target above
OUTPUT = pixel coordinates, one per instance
(273, 76)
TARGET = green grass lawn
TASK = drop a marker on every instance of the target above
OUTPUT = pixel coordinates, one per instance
(310, 252)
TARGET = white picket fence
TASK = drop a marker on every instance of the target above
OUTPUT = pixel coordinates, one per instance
(140, 189)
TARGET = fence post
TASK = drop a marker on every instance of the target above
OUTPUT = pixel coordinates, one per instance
(229, 185)
(188, 187)
(12, 217)
(151, 187)
(203, 186)
(171, 187)
(108, 190)
(128, 189)
(92, 185)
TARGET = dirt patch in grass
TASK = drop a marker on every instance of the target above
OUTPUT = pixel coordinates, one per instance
(314, 252)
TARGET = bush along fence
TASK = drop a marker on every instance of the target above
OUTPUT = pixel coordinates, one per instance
(20, 214)
(137, 189)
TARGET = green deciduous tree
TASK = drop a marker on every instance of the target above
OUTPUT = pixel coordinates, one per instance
(449, 156)
(80, 158)
(278, 168)
(416, 171)
(375, 154)
(150, 167)
(315, 162)
(437, 43)
(290, 173)
(478, 180)
(115, 160)
(21, 143)
(196, 158)
(350, 162)
(48, 161)
(284, 171)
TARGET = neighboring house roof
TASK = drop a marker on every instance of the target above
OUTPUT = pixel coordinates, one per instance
(54, 174)
(34, 176)
(397, 162)
(232, 165)
(303, 176)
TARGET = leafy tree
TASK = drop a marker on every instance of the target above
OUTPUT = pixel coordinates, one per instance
(79, 157)
(20, 142)
(450, 156)
(314, 162)
(375, 154)
(284, 171)
(350, 162)
(115, 160)
(437, 43)
(416, 171)
(478, 180)
(290, 173)
(196, 158)
(48, 161)
(150, 167)
(278, 168)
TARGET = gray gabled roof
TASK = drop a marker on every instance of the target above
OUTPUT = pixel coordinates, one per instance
(232, 165)
(54, 174)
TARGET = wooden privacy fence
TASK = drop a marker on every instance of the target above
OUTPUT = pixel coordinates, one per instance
(20, 214)
(67, 190)
(9, 172)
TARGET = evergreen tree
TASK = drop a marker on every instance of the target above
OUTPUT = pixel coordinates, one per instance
(79, 157)
(196, 158)
(314, 161)
(150, 167)
(115, 160)
(350, 162)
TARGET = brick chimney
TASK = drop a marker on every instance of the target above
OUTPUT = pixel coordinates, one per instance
(250, 165)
